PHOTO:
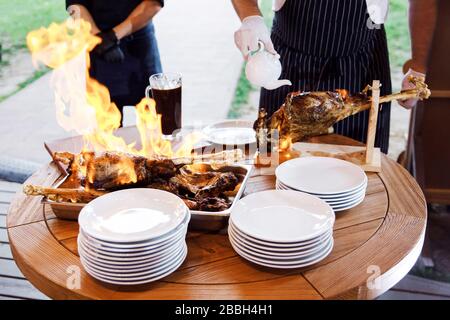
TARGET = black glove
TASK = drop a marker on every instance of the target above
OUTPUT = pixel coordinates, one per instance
(115, 55)
(109, 48)
(109, 40)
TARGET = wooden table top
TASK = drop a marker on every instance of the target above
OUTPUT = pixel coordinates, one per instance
(376, 244)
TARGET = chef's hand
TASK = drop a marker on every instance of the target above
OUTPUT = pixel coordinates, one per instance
(252, 30)
(410, 103)
(109, 48)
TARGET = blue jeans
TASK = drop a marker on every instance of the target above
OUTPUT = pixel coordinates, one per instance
(127, 80)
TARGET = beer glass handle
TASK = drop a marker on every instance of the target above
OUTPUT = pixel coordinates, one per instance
(147, 92)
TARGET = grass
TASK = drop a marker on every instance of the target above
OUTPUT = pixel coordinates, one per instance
(36, 75)
(20, 17)
(398, 41)
(398, 33)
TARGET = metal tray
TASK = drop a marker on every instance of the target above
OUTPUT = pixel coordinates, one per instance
(200, 220)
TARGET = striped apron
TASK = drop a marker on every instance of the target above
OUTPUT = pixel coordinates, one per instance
(326, 45)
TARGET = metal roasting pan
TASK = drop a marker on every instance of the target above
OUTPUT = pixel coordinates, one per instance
(200, 220)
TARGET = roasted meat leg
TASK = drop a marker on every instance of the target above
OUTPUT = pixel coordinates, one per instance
(307, 114)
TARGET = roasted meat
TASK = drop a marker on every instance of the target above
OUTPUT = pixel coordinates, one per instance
(307, 114)
(202, 186)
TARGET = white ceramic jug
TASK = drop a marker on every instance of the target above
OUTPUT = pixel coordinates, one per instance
(264, 68)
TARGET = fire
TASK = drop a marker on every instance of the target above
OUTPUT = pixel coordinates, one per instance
(84, 105)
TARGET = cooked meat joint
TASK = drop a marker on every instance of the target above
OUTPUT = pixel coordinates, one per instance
(308, 114)
(201, 186)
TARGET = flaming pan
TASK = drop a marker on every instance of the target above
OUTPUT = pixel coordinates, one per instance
(201, 219)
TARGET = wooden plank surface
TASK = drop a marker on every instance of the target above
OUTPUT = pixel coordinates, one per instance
(417, 284)
(9, 268)
(364, 236)
(5, 251)
(6, 186)
(2, 221)
(6, 197)
(4, 208)
(26, 209)
(34, 238)
(17, 288)
(3, 236)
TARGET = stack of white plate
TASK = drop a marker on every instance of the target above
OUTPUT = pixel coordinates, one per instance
(282, 229)
(133, 236)
(340, 183)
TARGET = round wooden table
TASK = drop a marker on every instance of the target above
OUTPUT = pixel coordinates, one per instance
(376, 244)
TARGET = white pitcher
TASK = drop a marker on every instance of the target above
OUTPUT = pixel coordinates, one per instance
(264, 68)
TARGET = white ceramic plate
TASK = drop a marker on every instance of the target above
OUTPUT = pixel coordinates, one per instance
(231, 132)
(341, 202)
(282, 216)
(350, 206)
(277, 246)
(132, 215)
(321, 175)
(331, 197)
(282, 261)
(131, 252)
(151, 267)
(141, 245)
(277, 255)
(125, 282)
(113, 269)
(285, 266)
(152, 254)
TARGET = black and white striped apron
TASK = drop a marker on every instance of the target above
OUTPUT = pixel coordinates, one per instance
(327, 45)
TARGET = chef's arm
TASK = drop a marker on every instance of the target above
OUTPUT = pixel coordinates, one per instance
(246, 8)
(138, 18)
(79, 11)
(422, 23)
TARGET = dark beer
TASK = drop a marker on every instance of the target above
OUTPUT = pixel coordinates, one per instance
(168, 104)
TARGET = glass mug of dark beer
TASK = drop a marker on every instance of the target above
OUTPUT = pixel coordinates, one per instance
(166, 91)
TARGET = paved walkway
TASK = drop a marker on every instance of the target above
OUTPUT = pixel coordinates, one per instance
(195, 38)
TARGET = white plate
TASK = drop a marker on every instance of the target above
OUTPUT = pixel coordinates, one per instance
(127, 264)
(350, 206)
(277, 255)
(125, 282)
(132, 215)
(321, 175)
(231, 132)
(282, 216)
(131, 252)
(282, 261)
(277, 246)
(154, 254)
(141, 245)
(284, 266)
(346, 200)
(151, 267)
(331, 197)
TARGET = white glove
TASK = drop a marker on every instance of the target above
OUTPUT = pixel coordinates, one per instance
(252, 30)
(410, 103)
(277, 5)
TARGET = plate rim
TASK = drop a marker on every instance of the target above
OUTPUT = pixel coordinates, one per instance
(327, 225)
(319, 192)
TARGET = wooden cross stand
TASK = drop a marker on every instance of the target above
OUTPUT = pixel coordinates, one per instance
(367, 157)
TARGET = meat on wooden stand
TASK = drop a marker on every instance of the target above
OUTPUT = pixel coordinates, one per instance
(308, 114)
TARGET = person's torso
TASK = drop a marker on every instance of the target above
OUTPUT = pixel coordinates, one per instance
(108, 14)
(324, 27)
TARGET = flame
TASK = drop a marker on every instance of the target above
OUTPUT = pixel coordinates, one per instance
(343, 93)
(84, 105)
(285, 144)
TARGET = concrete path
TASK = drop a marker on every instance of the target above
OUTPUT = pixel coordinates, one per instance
(195, 38)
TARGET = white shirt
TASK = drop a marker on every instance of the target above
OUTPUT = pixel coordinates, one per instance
(377, 9)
